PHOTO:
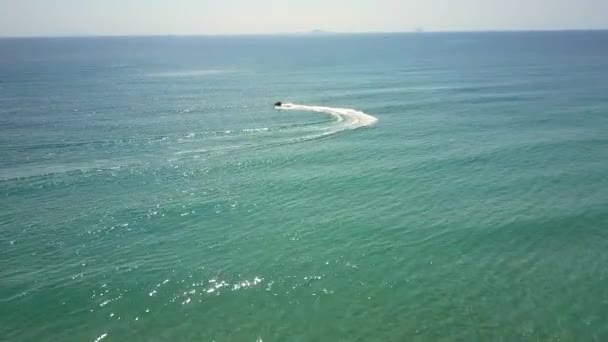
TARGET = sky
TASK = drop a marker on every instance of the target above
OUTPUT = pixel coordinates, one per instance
(162, 17)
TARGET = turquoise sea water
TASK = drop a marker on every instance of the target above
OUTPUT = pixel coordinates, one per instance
(149, 191)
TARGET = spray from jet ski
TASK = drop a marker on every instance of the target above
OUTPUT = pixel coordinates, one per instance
(346, 118)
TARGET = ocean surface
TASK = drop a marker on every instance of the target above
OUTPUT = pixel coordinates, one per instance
(419, 187)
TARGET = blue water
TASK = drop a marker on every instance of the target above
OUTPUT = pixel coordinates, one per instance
(425, 187)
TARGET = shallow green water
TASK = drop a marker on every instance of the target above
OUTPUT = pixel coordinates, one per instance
(150, 191)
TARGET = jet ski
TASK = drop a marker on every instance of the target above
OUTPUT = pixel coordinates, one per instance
(278, 104)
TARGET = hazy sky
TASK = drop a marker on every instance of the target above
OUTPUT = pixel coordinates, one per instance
(134, 17)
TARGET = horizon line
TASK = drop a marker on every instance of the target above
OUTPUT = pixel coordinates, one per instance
(311, 33)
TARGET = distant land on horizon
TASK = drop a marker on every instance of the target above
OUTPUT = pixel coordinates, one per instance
(315, 32)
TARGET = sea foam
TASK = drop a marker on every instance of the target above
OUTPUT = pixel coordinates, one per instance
(346, 117)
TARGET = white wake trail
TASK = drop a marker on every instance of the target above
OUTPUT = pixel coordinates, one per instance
(346, 118)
